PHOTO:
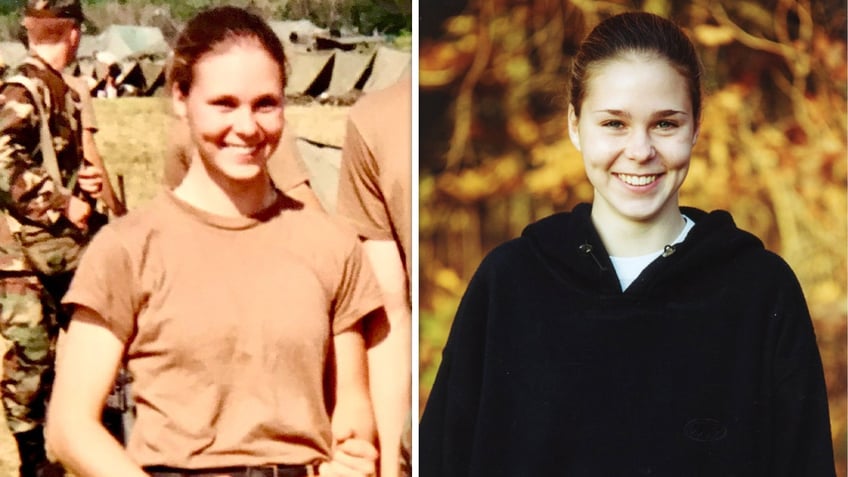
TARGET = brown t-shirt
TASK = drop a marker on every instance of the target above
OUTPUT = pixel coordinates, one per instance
(227, 324)
(285, 166)
(375, 175)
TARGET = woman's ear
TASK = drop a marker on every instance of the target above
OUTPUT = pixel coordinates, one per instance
(178, 101)
(573, 132)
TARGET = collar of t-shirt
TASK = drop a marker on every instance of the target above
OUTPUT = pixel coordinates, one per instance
(628, 268)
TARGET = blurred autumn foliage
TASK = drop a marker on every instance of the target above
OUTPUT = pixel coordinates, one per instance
(494, 153)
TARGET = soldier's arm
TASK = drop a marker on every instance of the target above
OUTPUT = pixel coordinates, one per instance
(353, 451)
(89, 146)
(389, 337)
(29, 191)
(388, 334)
(92, 156)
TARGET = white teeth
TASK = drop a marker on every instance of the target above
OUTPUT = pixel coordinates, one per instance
(637, 180)
(241, 149)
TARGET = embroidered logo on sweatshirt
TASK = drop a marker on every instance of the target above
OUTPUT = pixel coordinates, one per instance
(705, 429)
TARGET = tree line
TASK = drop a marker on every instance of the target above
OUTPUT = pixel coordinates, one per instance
(392, 17)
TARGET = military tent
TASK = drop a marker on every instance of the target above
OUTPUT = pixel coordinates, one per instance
(350, 71)
(389, 65)
(12, 53)
(309, 74)
(103, 68)
(121, 42)
(88, 47)
(84, 67)
(131, 80)
(360, 43)
(154, 76)
(295, 31)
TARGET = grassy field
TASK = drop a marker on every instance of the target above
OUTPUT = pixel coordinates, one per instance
(132, 139)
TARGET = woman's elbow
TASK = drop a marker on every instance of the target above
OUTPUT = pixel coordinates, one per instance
(64, 427)
(57, 431)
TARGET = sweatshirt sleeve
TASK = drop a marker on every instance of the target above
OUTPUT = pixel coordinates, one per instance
(801, 437)
(448, 425)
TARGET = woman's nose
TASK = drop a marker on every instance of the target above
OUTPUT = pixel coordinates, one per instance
(244, 122)
(639, 146)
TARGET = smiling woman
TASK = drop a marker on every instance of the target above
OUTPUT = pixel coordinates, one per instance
(232, 305)
(631, 336)
(636, 138)
(232, 101)
(235, 112)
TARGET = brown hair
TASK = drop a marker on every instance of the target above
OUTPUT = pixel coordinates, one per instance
(47, 30)
(214, 28)
(636, 32)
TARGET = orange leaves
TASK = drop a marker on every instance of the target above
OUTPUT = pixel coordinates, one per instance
(446, 61)
(499, 175)
(460, 25)
(712, 35)
(441, 64)
(558, 169)
(523, 130)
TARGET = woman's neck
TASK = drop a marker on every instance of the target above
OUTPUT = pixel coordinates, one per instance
(223, 196)
(624, 237)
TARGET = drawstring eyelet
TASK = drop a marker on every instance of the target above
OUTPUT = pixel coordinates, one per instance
(587, 249)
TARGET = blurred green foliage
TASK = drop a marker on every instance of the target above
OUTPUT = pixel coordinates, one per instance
(392, 17)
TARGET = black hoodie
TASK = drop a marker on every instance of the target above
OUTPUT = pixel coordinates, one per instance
(706, 365)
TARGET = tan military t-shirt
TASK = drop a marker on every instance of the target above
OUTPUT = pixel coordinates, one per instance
(285, 166)
(227, 324)
(375, 176)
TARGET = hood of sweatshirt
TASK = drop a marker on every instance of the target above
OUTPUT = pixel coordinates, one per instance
(569, 247)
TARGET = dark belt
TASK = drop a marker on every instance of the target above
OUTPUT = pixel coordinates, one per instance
(280, 470)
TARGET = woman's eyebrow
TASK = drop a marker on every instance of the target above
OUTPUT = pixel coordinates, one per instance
(665, 113)
(613, 112)
(670, 112)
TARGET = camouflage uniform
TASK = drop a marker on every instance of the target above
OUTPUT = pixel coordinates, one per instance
(30, 198)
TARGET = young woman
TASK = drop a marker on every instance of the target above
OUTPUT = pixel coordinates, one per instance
(227, 299)
(631, 336)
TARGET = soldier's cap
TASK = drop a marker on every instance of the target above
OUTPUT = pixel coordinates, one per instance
(54, 9)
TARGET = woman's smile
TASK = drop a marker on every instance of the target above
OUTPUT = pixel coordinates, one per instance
(636, 180)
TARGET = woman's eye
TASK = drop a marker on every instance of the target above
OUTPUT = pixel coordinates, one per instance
(614, 124)
(224, 104)
(666, 124)
(267, 105)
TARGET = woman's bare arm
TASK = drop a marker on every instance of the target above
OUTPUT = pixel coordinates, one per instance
(85, 372)
(354, 432)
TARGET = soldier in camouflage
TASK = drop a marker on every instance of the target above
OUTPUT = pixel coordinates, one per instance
(30, 196)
